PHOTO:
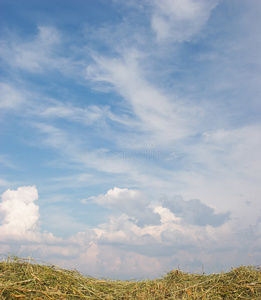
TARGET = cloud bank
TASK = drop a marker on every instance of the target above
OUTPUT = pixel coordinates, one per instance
(174, 231)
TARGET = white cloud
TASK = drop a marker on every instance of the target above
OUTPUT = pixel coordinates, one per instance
(55, 137)
(160, 115)
(56, 109)
(4, 183)
(73, 148)
(5, 161)
(179, 20)
(20, 216)
(231, 146)
(166, 216)
(34, 55)
(175, 215)
(172, 240)
(20, 222)
(118, 198)
(11, 98)
(195, 212)
(130, 202)
(41, 53)
(120, 247)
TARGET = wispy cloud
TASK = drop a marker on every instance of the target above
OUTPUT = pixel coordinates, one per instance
(32, 55)
(4, 183)
(180, 20)
(158, 114)
(11, 98)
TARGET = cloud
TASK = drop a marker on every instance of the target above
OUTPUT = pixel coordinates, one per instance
(130, 202)
(234, 145)
(55, 137)
(19, 214)
(87, 116)
(40, 53)
(118, 247)
(180, 221)
(4, 183)
(195, 212)
(6, 161)
(157, 114)
(159, 75)
(11, 97)
(179, 20)
(34, 55)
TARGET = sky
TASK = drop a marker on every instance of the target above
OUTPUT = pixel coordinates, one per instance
(130, 134)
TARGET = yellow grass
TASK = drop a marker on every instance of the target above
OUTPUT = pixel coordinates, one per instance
(26, 279)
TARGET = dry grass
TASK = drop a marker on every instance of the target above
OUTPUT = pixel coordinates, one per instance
(26, 279)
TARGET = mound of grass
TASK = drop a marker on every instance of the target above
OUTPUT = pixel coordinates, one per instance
(26, 279)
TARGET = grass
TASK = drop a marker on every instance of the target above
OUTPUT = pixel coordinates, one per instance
(26, 279)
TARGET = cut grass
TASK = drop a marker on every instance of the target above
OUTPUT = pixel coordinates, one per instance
(26, 279)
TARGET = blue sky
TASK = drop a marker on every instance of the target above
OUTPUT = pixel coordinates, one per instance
(130, 134)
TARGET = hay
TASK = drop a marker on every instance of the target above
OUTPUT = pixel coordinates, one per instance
(26, 279)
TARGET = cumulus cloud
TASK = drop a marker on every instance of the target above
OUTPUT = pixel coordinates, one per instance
(195, 212)
(182, 224)
(130, 202)
(134, 205)
(19, 214)
(179, 20)
(182, 232)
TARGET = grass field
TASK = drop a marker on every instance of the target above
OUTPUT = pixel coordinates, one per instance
(26, 279)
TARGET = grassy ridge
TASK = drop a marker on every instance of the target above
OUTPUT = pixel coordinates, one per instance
(26, 279)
